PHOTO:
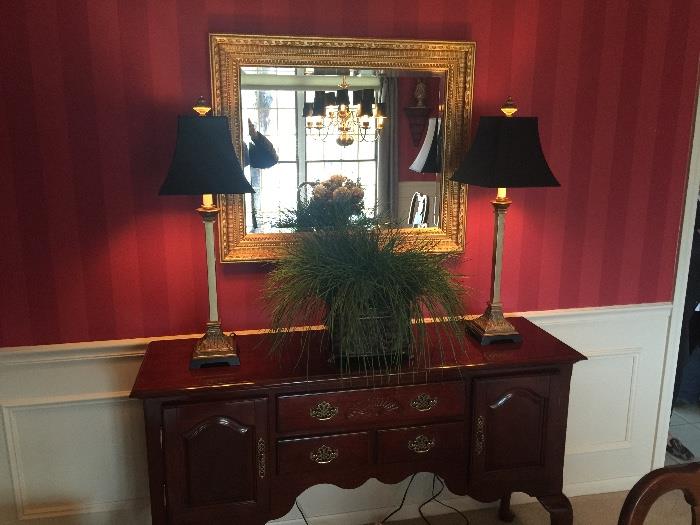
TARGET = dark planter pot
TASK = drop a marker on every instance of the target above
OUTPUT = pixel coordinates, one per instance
(385, 347)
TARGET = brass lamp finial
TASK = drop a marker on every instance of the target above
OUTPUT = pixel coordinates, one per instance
(201, 107)
(509, 108)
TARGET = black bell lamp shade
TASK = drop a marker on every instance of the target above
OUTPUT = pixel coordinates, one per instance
(204, 161)
(364, 100)
(506, 153)
(206, 164)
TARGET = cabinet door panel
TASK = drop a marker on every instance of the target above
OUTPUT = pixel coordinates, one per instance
(224, 475)
(215, 456)
(510, 427)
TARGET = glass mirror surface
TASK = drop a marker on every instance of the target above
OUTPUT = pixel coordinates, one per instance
(313, 151)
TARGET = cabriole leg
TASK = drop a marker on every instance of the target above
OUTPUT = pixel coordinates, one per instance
(559, 509)
(504, 512)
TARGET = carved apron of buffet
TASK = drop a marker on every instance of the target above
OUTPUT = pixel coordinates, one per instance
(239, 444)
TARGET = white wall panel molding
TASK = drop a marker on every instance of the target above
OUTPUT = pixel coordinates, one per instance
(9, 405)
(615, 394)
(59, 462)
(585, 435)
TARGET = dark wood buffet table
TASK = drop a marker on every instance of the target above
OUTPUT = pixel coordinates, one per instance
(239, 444)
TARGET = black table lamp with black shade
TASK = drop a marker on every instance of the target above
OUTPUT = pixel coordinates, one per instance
(506, 153)
(206, 164)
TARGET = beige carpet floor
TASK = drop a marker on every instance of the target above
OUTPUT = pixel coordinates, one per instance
(598, 509)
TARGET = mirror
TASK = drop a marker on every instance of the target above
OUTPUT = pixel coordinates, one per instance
(343, 112)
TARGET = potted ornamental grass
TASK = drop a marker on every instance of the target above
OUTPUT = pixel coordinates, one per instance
(372, 288)
(334, 203)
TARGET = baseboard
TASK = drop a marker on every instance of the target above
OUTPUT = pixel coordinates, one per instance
(600, 486)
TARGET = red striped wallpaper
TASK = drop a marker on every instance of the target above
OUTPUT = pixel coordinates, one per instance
(89, 92)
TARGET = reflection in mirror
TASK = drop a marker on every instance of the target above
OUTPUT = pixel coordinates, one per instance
(342, 135)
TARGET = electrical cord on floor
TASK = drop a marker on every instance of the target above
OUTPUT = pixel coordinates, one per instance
(403, 500)
(434, 497)
(296, 502)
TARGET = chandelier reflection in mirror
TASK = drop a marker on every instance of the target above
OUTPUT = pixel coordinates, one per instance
(332, 114)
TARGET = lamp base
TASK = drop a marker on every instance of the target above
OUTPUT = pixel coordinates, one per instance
(492, 327)
(215, 348)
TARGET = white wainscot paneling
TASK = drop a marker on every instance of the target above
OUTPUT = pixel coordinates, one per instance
(76, 455)
(614, 394)
(74, 444)
(607, 384)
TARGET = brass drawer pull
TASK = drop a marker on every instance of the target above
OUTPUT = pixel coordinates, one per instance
(323, 411)
(324, 455)
(421, 444)
(480, 436)
(423, 402)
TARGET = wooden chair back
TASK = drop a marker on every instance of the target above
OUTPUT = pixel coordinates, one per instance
(657, 483)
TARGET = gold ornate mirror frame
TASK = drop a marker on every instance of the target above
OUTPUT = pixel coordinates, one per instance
(228, 53)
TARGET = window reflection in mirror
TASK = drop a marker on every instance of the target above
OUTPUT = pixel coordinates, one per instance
(282, 103)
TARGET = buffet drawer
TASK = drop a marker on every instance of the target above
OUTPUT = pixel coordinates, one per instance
(443, 441)
(316, 454)
(354, 408)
